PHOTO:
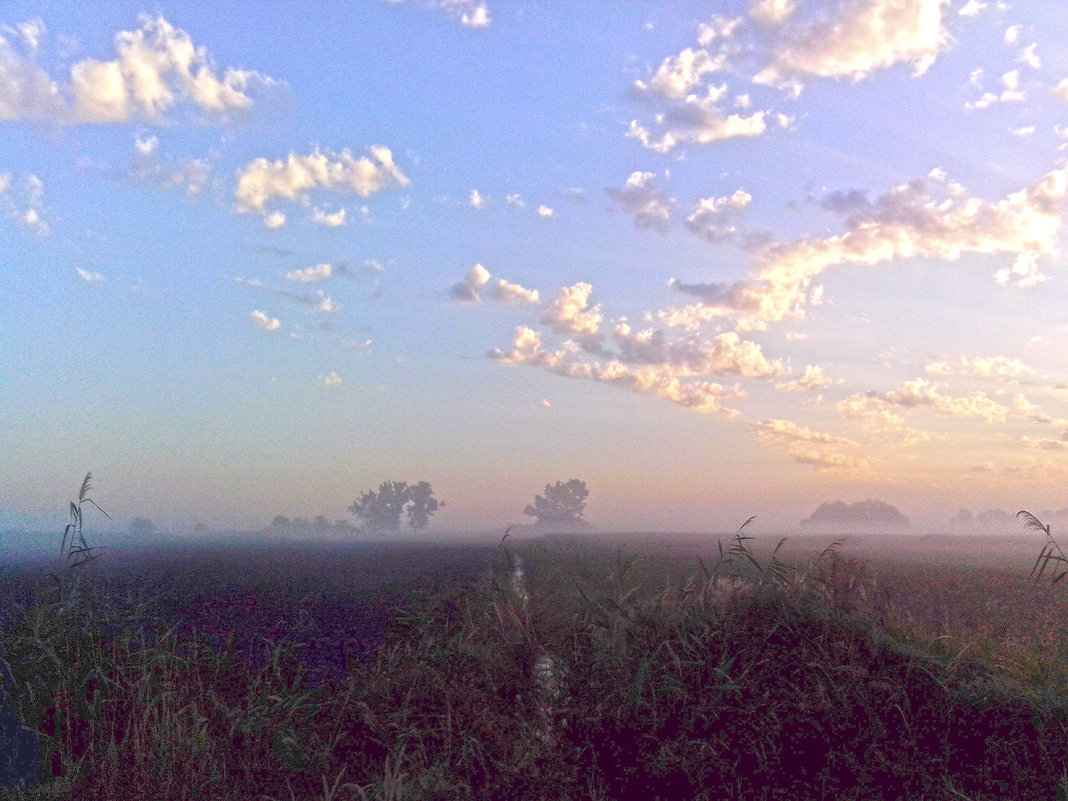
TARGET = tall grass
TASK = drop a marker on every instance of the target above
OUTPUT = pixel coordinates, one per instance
(743, 677)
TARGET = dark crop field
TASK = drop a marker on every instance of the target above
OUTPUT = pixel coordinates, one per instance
(618, 666)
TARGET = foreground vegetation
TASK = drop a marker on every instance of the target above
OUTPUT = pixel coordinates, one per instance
(606, 676)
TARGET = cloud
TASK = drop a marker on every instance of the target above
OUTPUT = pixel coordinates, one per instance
(261, 320)
(997, 368)
(927, 217)
(476, 200)
(515, 200)
(23, 202)
(972, 8)
(809, 447)
(1011, 93)
(812, 379)
(1029, 57)
(330, 379)
(88, 277)
(471, 13)
(193, 175)
(470, 289)
(467, 290)
(700, 121)
(156, 69)
(334, 220)
(689, 108)
(323, 303)
(261, 180)
(855, 38)
(320, 272)
(880, 421)
(275, 219)
(701, 396)
(1060, 91)
(713, 217)
(353, 345)
(569, 312)
(507, 292)
(645, 361)
(545, 211)
(772, 12)
(679, 74)
(922, 393)
(649, 205)
(479, 17)
(1046, 444)
(725, 354)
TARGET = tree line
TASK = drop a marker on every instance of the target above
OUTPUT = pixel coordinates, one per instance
(380, 511)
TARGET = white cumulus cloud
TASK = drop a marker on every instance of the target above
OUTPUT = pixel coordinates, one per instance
(570, 312)
(702, 396)
(854, 38)
(329, 219)
(261, 320)
(293, 178)
(470, 289)
(318, 272)
(156, 68)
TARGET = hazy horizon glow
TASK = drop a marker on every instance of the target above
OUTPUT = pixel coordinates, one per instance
(715, 259)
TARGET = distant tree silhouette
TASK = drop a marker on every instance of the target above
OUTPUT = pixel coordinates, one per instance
(305, 529)
(381, 511)
(142, 527)
(421, 505)
(563, 502)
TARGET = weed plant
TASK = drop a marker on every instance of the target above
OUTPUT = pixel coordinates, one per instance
(739, 679)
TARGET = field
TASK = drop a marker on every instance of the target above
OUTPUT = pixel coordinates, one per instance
(564, 667)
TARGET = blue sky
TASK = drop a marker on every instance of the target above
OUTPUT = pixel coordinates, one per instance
(716, 259)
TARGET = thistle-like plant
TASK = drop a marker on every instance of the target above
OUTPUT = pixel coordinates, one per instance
(1051, 551)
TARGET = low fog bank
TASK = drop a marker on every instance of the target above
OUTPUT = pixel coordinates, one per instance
(867, 525)
(42, 548)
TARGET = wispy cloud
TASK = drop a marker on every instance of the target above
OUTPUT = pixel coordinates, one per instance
(931, 217)
(809, 447)
(89, 277)
(997, 368)
(22, 201)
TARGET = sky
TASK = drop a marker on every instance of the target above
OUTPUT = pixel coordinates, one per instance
(716, 259)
